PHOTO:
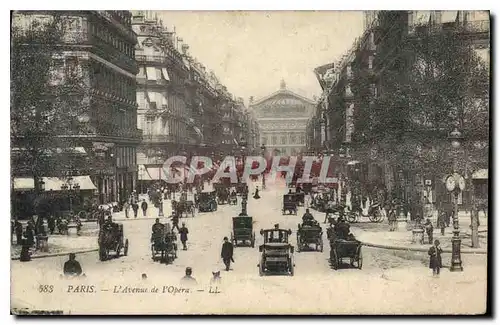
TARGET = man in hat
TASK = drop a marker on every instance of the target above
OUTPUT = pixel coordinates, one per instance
(307, 218)
(227, 253)
(183, 233)
(188, 278)
(72, 267)
(342, 228)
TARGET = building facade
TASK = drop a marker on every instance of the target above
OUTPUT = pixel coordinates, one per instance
(360, 78)
(183, 109)
(99, 45)
(282, 118)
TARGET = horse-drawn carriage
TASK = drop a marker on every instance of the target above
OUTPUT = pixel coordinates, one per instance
(289, 204)
(163, 246)
(309, 234)
(222, 192)
(345, 248)
(242, 189)
(277, 253)
(184, 207)
(111, 239)
(233, 199)
(243, 231)
(299, 197)
(207, 201)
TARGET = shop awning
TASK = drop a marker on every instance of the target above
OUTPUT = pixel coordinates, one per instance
(449, 16)
(480, 174)
(55, 183)
(143, 174)
(151, 73)
(24, 184)
(165, 74)
(156, 172)
(422, 17)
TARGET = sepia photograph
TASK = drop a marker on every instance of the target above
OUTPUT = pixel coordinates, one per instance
(249, 162)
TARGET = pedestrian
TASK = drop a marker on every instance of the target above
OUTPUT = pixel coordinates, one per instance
(135, 207)
(144, 207)
(435, 262)
(442, 222)
(25, 250)
(183, 234)
(391, 217)
(29, 233)
(256, 195)
(227, 253)
(216, 279)
(429, 229)
(175, 220)
(19, 232)
(126, 207)
(51, 223)
(188, 278)
(72, 267)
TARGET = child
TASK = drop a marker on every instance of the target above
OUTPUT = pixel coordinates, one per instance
(435, 262)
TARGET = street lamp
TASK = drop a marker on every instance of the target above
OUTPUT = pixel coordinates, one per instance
(70, 187)
(159, 155)
(455, 183)
(263, 149)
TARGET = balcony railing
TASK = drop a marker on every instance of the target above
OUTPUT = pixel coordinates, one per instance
(150, 58)
(158, 138)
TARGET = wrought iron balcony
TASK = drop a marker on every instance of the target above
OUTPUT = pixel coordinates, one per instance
(150, 58)
(158, 138)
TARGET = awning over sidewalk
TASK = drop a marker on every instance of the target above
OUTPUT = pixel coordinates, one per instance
(24, 184)
(53, 183)
(480, 174)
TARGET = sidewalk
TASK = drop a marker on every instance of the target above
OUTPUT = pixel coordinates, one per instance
(61, 245)
(401, 239)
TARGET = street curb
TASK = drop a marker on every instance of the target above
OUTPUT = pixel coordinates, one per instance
(59, 254)
(416, 249)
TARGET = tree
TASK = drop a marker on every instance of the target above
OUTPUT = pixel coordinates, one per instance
(49, 96)
(431, 81)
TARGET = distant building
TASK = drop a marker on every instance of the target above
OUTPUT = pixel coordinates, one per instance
(282, 118)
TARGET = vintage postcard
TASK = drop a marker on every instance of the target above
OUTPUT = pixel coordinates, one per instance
(249, 162)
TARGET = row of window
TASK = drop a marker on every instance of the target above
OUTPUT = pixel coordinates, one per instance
(110, 81)
(293, 139)
(125, 156)
(112, 39)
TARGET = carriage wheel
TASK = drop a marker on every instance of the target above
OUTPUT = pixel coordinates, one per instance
(321, 245)
(82, 214)
(153, 255)
(351, 217)
(376, 217)
(261, 266)
(335, 260)
(360, 258)
(102, 254)
(253, 240)
(298, 243)
(291, 267)
(125, 248)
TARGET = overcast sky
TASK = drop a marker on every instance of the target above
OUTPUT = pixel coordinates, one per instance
(251, 51)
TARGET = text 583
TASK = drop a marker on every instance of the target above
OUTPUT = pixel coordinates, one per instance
(45, 288)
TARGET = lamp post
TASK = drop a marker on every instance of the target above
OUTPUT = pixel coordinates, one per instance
(159, 154)
(455, 183)
(70, 187)
(263, 149)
